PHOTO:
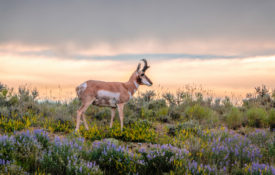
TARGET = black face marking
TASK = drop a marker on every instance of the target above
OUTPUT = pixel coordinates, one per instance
(142, 74)
(138, 80)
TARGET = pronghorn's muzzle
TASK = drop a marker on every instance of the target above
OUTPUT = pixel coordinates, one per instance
(145, 80)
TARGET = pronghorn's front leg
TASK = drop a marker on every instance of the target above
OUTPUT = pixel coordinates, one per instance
(121, 115)
(113, 113)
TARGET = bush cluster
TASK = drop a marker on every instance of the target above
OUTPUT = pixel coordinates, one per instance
(256, 110)
(218, 152)
(33, 152)
(140, 131)
(181, 133)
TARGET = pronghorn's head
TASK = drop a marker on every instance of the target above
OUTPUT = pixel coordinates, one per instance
(141, 78)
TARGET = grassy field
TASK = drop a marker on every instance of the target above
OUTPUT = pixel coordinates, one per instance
(182, 133)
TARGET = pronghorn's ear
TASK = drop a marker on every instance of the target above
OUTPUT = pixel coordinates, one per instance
(138, 67)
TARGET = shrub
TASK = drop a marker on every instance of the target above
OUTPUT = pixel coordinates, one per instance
(130, 120)
(164, 118)
(162, 114)
(27, 151)
(104, 113)
(233, 149)
(256, 117)
(175, 115)
(33, 153)
(213, 120)
(184, 133)
(157, 104)
(271, 119)
(141, 131)
(113, 159)
(264, 140)
(160, 159)
(20, 103)
(171, 130)
(6, 148)
(17, 123)
(162, 111)
(23, 150)
(234, 118)
(190, 125)
(198, 112)
(64, 158)
(43, 138)
(11, 125)
(94, 133)
(148, 95)
(10, 168)
(257, 168)
(193, 167)
(170, 98)
(260, 137)
(138, 131)
(147, 113)
(58, 125)
(271, 151)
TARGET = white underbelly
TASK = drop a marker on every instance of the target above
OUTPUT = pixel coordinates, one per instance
(108, 94)
(106, 98)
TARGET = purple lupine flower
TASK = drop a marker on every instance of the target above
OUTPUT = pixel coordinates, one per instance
(142, 150)
(80, 169)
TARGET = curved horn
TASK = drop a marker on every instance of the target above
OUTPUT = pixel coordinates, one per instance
(145, 65)
(138, 67)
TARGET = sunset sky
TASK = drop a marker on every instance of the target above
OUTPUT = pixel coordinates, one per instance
(225, 46)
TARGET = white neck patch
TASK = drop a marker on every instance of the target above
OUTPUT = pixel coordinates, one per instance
(136, 84)
(130, 95)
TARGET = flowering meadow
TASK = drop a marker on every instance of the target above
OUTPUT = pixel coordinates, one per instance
(183, 133)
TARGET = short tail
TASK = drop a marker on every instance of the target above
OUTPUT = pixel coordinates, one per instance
(77, 89)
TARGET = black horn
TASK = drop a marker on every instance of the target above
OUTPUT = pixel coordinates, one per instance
(145, 65)
(138, 67)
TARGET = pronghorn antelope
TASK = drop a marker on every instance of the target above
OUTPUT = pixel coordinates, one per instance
(110, 94)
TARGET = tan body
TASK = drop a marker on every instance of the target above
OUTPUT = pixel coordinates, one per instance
(109, 94)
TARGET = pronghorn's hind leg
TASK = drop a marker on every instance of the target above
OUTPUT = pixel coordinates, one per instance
(113, 113)
(85, 104)
(85, 121)
(121, 115)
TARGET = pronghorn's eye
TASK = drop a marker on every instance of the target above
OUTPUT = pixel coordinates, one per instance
(142, 74)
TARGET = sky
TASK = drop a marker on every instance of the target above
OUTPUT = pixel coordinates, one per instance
(224, 46)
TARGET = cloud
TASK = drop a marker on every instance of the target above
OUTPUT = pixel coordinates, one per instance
(131, 27)
(136, 51)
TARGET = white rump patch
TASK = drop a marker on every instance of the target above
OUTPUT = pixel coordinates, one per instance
(108, 94)
(82, 88)
(130, 95)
